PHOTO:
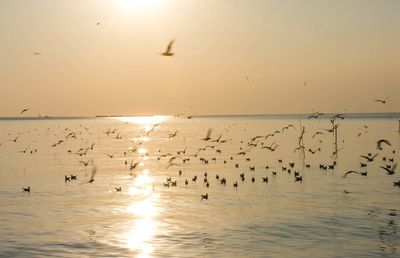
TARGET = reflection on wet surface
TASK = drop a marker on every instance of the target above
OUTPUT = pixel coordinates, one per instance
(155, 214)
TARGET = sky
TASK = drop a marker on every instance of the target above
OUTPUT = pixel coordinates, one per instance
(102, 57)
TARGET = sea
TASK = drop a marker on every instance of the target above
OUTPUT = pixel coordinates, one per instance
(201, 186)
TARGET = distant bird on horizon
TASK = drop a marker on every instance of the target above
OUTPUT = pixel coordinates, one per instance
(167, 51)
(383, 101)
(24, 110)
(27, 189)
(315, 115)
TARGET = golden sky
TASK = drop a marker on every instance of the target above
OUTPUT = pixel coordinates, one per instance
(298, 56)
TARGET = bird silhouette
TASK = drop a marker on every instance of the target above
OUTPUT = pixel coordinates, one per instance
(355, 172)
(383, 101)
(24, 110)
(380, 142)
(167, 51)
(369, 158)
(133, 165)
(94, 170)
(208, 136)
(204, 196)
(391, 170)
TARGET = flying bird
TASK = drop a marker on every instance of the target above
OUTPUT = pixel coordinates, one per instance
(94, 170)
(24, 110)
(369, 159)
(383, 101)
(356, 172)
(167, 51)
(204, 196)
(208, 136)
(379, 144)
(390, 171)
(133, 166)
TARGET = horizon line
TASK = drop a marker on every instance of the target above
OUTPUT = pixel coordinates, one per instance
(324, 115)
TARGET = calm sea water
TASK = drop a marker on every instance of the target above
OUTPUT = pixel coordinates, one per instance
(325, 215)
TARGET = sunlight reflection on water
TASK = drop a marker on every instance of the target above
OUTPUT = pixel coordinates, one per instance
(150, 217)
(144, 120)
(144, 210)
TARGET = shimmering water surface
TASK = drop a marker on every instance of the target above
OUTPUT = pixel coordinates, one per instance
(325, 215)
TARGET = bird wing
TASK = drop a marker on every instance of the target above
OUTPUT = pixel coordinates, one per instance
(385, 168)
(169, 47)
(208, 133)
(349, 172)
(379, 143)
(94, 170)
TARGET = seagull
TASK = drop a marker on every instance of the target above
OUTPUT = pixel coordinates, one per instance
(133, 166)
(24, 110)
(28, 189)
(204, 196)
(85, 163)
(379, 144)
(287, 127)
(207, 138)
(167, 51)
(370, 159)
(172, 135)
(356, 172)
(390, 171)
(339, 115)
(315, 134)
(315, 115)
(94, 170)
(383, 101)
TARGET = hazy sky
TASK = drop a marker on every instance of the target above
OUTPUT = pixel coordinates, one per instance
(300, 56)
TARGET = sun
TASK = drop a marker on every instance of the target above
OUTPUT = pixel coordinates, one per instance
(140, 5)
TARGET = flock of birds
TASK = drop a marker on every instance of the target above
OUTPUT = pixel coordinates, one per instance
(212, 148)
(254, 142)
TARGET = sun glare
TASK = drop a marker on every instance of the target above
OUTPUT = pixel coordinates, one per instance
(140, 5)
(144, 120)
